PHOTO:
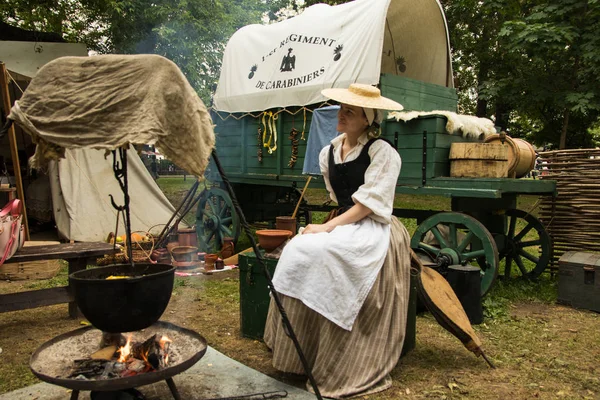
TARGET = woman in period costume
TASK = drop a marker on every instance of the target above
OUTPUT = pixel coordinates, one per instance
(345, 283)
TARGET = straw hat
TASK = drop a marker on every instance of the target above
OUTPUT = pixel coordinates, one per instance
(361, 95)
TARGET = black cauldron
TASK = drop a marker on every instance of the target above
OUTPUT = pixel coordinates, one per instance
(123, 305)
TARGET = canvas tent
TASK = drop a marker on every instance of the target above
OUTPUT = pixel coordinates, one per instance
(289, 63)
(80, 183)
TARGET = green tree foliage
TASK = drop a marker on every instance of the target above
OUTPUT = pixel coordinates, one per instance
(532, 64)
(192, 33)
(558, 46)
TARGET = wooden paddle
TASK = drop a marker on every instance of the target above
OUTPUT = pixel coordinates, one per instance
(441, 301)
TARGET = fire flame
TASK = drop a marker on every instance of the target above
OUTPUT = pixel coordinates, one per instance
(124, 351)
(164, 344)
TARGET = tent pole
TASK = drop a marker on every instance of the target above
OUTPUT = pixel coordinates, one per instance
(13, 145)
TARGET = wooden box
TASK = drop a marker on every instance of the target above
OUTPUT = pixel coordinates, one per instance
(579, 280)
(44, 269)
(478, 160)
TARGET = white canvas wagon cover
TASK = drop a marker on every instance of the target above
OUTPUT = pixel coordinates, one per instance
(288, 63)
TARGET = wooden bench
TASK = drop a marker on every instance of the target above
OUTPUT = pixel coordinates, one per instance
(78, 255)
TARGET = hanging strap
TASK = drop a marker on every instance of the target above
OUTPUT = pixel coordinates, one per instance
(15, 212)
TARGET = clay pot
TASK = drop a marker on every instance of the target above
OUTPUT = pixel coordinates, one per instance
(228, 248)
(287, 224)
(209, 261)
(270, 239)
(219, 264)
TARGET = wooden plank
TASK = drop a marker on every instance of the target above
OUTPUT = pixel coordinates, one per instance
(34, 299)
(504, 185)
(62, 251)
(441, 191)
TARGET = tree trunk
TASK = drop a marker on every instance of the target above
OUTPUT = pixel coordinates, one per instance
(563, 133)
(502, 115)
(482, 75)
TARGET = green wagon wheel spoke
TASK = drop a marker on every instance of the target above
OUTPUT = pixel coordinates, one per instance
(453, 235)
(527, 243)
(465, 242)
(439, 237)
(449, 247)
(227, 220)
(226, 231)
(216, 219)
(429, 248)
(212, 206)
(473, 255)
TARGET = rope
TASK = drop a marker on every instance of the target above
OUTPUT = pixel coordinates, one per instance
(261, 114)
(261, 261)
(10, 77)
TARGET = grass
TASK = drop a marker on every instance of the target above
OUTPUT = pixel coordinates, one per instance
(542, 350)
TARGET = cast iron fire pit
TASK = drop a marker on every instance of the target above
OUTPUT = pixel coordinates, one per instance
(52, 361)
(123, 305)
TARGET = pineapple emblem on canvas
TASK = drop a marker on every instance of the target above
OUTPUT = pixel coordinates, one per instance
(337, 52)
(252, 71)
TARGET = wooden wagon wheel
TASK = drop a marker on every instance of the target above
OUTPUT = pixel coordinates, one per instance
(526, 243)
(216, 219)
(452, 238)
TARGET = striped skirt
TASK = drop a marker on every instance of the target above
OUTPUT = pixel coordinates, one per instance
(347, 363)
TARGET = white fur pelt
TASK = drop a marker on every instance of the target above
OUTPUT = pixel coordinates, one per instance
(468, 126)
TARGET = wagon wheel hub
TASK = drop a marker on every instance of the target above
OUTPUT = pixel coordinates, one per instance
(447, 257)
(211, 223)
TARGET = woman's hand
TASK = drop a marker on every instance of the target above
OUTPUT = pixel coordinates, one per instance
(354, 214)
(317, 228)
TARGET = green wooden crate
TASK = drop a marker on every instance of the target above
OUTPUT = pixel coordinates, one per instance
(409, 137)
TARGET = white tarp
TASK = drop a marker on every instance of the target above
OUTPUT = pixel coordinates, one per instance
(81, 183)
(290, 62)
(324, 46)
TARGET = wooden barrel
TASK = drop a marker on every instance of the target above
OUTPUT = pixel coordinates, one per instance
(478, 160)
(521, 154)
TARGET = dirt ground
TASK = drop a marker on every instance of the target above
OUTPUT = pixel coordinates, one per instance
(540, 350)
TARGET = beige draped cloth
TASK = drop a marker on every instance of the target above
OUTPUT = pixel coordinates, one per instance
(347, 363)
(109, 101)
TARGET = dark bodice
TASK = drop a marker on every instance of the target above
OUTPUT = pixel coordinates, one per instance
(346, 178)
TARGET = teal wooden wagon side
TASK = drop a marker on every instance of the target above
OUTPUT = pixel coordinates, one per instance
(483, 226)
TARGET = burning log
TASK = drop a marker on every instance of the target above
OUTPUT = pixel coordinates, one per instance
(153, 350)
(106, 353)
(127, 360)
